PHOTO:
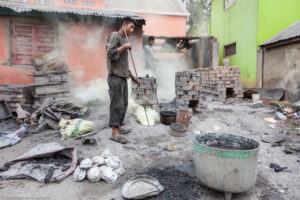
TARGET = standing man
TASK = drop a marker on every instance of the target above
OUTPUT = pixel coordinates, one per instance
(118, 73)
(148, 55)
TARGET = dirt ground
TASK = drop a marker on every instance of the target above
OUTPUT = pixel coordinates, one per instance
(145, 154)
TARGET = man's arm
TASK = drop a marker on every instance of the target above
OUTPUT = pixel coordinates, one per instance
(112, 50)
(138, 81)
(124, 47)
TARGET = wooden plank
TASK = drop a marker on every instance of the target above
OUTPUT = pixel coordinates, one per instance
(51, 83)
(51, 78)
(50, 89)
(5, 91)
(13, 105)
(10, 98)
(60, 94)
(44, 73)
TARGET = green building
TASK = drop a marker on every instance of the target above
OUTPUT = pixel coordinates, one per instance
(242, 25)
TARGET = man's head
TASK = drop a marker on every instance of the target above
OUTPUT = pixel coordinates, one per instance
(151, 40)
(128, 24)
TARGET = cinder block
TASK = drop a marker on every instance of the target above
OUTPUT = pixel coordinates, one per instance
(186, 97)
(179, 92)
(180, 83)
(184, 79)
(186, 88)
(179, 101)
(193, 92)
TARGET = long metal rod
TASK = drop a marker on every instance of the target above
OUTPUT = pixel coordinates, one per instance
(144, 104)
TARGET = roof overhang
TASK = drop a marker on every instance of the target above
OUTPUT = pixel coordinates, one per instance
(155, 12)
(67, 13)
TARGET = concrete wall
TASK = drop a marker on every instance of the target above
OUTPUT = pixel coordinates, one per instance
(281, 69)
(274, 16)
(237, 24)
(82, 46)
(164, 25)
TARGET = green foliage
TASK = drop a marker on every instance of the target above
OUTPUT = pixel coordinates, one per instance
(199, 13)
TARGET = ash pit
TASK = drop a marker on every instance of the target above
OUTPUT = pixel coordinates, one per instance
(177, 184)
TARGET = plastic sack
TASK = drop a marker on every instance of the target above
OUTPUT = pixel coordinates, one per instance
(79, 174)
(98, 160)
(153, 116)
(108, 175)
(86, 163)
(73, 127)
(94, 174)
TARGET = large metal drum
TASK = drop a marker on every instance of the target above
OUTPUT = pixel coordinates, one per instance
(226, 162)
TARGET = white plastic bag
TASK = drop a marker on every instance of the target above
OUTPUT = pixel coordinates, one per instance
(98, 160)
(86, 163)
(79, 174)
(94, 174)
(108, 175)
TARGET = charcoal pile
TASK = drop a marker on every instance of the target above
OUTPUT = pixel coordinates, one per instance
(177, 184)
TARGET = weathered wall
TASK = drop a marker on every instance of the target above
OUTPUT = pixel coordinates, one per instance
(282, 70)
(259, 68)
(237, 24)
(274, 16)
(82, 45)
(205, 52)
(164, 25)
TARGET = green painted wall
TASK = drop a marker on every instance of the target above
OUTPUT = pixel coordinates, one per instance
(274, 16)
(237, 24)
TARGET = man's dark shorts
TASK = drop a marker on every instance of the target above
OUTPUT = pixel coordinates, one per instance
(118, 93)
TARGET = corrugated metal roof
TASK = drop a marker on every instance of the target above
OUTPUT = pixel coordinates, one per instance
(164, 7)
(22, 8)
(290, 32)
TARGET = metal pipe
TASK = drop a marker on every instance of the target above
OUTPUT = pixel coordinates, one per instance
(144, 104)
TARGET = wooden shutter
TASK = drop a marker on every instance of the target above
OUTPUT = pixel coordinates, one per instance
(45, 39)
(22, 43)
(29, 41)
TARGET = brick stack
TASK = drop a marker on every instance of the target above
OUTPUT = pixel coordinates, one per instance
(221, 82)
(187, 86)
(146, 93)
(218, 83)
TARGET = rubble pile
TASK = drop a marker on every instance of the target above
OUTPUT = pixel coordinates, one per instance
(217, 83)
(54, 110)
(146, 93)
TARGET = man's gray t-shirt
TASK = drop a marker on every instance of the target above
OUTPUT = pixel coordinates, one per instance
(117, 64)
